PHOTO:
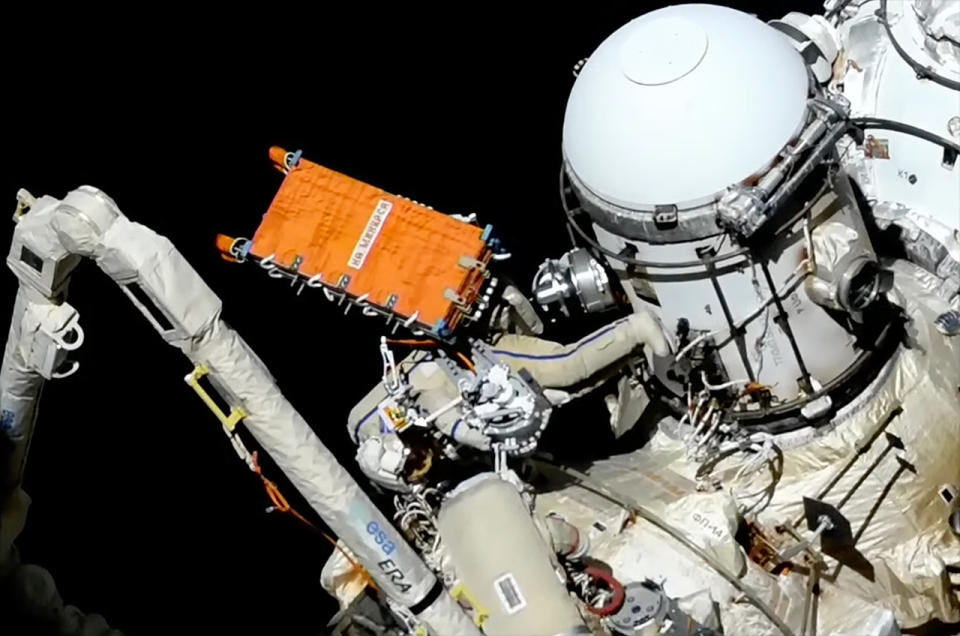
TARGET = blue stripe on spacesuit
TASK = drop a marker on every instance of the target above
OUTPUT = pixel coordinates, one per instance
(560, 356)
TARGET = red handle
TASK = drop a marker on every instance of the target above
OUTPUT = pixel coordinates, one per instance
(618, 594)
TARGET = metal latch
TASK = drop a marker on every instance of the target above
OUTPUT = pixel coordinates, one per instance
(665, 217)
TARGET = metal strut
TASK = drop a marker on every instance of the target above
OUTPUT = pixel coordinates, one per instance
(737, 332)
(783, 322)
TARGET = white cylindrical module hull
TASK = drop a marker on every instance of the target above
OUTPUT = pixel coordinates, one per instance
(905, 178)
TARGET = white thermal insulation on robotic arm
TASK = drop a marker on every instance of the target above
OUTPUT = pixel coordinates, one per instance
(35, 350)
(20, 388)
(179, 304)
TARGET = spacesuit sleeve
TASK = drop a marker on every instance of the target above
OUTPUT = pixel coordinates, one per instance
(554, 365)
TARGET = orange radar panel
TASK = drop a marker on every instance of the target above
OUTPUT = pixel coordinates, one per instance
(375, 249)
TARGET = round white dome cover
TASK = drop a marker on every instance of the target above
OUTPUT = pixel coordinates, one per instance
(681, 103)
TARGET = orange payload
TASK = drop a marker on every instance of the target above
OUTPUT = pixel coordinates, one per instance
(381, 249)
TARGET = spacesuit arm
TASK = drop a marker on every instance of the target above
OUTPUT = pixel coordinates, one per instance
(558, 366)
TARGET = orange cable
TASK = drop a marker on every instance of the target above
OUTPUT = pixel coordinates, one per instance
(431, 343)
(412, 342)
(280, 504)
(466, 361)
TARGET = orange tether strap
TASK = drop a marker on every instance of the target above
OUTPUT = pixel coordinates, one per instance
(280, 504)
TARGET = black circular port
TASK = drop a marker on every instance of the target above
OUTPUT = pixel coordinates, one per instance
(864, 287)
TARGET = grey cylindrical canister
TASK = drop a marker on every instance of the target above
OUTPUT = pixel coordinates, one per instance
(504, 562)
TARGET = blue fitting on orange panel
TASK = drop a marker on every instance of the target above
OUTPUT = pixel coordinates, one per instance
(487, 231)
(294, 159)
(440, 328)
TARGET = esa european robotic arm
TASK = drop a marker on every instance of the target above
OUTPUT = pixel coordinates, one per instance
(50, 238)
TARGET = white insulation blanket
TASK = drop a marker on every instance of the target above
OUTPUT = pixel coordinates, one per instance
(898, 509)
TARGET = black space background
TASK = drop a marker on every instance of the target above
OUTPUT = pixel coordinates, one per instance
(141, 510)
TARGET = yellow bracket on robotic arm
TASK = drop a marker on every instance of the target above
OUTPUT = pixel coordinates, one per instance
(236, 413)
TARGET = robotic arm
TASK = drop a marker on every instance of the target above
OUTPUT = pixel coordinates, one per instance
(49, 240)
